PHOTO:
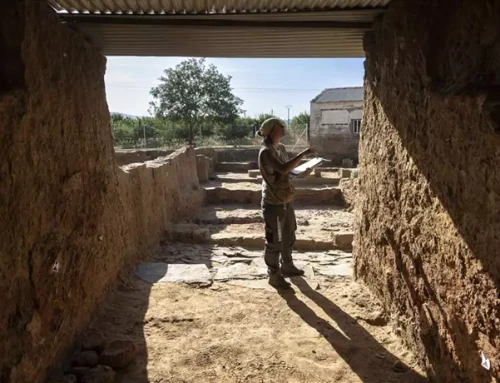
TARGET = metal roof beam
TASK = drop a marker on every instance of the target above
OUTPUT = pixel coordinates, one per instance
(169, 21)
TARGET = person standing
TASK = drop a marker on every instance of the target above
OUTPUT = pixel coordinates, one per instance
(277, 198)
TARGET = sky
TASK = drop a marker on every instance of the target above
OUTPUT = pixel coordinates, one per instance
(265, 85)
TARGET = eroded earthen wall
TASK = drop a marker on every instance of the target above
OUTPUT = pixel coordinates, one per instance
(70, 219)
(428, 226)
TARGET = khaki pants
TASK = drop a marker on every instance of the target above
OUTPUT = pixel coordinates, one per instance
(280, 235)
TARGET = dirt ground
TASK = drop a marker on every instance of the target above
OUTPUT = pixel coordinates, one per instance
(205, 313)
(236, 328)
(226, 333)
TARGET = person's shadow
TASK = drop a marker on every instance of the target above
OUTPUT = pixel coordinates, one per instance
(367, 358)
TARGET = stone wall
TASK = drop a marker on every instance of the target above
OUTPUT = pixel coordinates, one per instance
(336, 149)
(70, 219)
(349, 187)
(216, 154)
(237, 155)
(427, 227)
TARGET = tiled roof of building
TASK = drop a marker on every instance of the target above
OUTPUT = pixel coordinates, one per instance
(340, 94)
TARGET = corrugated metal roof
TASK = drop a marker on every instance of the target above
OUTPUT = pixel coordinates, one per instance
(147, 40)
(208, 6)
(223, 28)
(340, 94)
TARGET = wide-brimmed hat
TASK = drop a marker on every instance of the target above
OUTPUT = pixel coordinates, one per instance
(267, 126)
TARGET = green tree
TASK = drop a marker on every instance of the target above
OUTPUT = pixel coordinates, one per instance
(123, 129)
(116, 117)
(301, 120)
(242, 127)
(298, 124)
(264, 116)
(195, 94)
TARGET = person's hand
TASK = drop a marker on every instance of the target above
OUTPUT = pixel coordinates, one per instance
(307, 172)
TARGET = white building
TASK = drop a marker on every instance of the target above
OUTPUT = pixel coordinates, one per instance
(335, 126)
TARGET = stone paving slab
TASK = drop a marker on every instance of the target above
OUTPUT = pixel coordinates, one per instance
(343, 269)
(225, 260)
(238, 271)
(174, 273)
(308, 269)
(260, 264)
(235, 252)
(326, 217)
(184, 263)
(177, 252)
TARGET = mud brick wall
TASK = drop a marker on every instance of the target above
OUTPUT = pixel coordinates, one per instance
(428, 227)
(237, 155)
(70, 219)
(125, 157)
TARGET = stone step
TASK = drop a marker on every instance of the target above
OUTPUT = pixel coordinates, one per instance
(320, 216)
(241, 236)
(187, 232)
(235, 167)
(251, 236)
(254, 173)
(249, 193)
(339, 172)
(309, 180)
(235, 177)
(318, 172)
(312, 180)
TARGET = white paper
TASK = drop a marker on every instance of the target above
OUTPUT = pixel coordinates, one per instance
(309, 164)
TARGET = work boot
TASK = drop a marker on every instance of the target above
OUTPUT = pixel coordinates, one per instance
(290, 270)
(278, 282)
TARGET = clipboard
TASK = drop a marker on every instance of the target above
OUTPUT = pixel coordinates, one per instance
(315, 162)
